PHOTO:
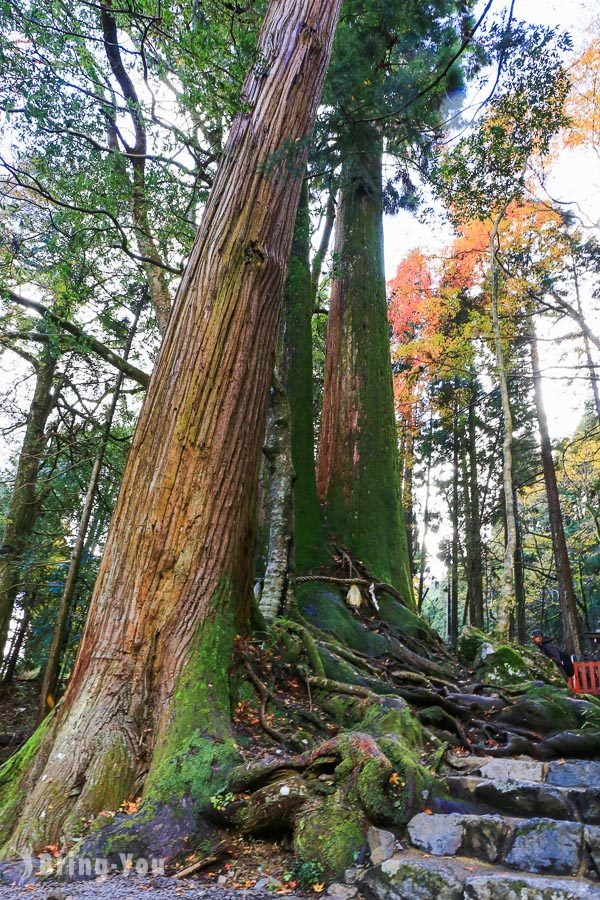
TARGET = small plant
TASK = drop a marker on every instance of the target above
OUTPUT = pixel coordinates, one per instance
(306, 873)
(221, 799)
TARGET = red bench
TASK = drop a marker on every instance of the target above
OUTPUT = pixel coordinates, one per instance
(586, 679)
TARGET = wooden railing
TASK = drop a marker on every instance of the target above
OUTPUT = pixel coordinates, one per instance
(586, 679)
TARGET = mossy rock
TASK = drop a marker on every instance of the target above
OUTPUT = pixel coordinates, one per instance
(394, 717)
(469, 642)
(331, 832)
(500, 663)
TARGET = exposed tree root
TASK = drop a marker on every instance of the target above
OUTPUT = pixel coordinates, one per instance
(567, 744)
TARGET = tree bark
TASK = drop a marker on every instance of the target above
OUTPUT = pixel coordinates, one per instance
(50, 680)
(423, 558)
(408, 460)
(476, 566)
(150, 687)
(357, 460)
(519, 617)
(23, 506)
(507, 588)
(564, 577)
(453, 590)
(277, 592)
(297, 375)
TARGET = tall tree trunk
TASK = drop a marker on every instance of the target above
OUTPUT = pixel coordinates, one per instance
(588, 350)
(507, 588)
(47, 698)
(12, 658)
(319, 257)
(23, 506)
(297, 376)
(519, 617)
(357, 460)
(564, 577)
(150, 688)
(476, 598)
(453, 608)
(423, 558)
(277, 592)
(136, 155)
(408, 461)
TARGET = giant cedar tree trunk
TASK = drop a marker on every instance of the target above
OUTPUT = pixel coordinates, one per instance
(564, 577)
(150, 687)
(357, 461)
(297, 373)
(23, 506)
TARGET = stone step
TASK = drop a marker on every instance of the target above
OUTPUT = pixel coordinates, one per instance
(529, 845)
(472, 794)
(413, 876)
(562, 773)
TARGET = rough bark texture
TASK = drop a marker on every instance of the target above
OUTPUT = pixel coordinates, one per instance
(507, 588)
(564, 576)
(453, 588)
(476, 566)
(277, 589)
(519, 616)
(297, 375)
(23, 506)
(408, 461)
(150, 687)
(357, 463)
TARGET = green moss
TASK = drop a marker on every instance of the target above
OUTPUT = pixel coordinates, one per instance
(404, 620)
(469, 643)
(332, 832)
(196, 754)
(326, 609)
(391, 719)
(13, 776)
(309, 533)
(363, 503)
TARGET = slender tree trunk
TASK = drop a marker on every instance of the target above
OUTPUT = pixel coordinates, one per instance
(15, 650)
(453, 618)
(423, 559)
(507, 588)
(519, 617)
(50, 680)
(319, 257)
(408, 461)
(357, 460)
(23, 506)
(278, 588)
(150, 257)
(297, 376)
(588, 350)
(150, 688)
(476, 600)
(564, 577)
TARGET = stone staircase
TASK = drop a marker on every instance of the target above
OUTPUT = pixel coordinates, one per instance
(502, 829)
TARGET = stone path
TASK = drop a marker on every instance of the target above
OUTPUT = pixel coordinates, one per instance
(510, 829)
